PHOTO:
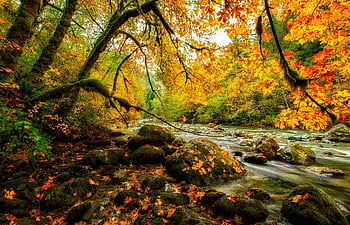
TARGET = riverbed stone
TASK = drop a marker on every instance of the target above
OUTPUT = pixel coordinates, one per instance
(255, 158)
(202, 162)
(247, 210)
(151, 135)
(67, 194)
(174, 198)
(326, 171)
(210, 197)
(116, 156)
(339, 133)
(95, 159)
(267, 146)
(296, 154)
(76, 213)
(16, 207)
(257, 193)
(148, 155)
(185, 216)
(308, 204)
(154, 182)
(128, 198)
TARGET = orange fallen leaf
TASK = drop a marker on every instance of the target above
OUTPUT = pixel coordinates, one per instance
(9, 194)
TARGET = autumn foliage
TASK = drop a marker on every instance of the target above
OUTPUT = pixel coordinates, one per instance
(169, 50)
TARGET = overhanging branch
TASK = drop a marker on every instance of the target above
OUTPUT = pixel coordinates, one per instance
(292, 76)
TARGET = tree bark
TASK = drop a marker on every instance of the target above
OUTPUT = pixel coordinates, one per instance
(115, 22)
(17, 36)
(49, 52)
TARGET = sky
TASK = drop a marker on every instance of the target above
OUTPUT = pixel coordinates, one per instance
(221, 38)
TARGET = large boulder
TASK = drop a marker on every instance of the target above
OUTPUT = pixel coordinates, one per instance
(202, 162)
(151, 135)
(340, 133)
(267, 146)
(296, 154)
(147, 155)
(308, 204)
(245, 210)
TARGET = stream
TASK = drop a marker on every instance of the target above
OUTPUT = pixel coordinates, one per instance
(278, 178)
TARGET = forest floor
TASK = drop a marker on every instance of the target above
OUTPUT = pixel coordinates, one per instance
(25, 185)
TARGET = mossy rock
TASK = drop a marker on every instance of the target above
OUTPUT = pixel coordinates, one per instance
(76, 213)
(154, 182)
(14, 206)
(255, 158)
(122, 199)
(116, 156)
(95, 159)
(267, 146)
(173, 198)
(185, 216)
(297, 154)
(147, 155)
(151, 135)
(257, 193)
(202, 162)
(67, 194)
(249, 211)
(308, 204)
(340, 133)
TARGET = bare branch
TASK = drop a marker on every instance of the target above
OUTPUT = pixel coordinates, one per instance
(118, 69)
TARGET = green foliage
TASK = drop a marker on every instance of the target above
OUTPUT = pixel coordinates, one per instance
(170, 108)
(303, 52)
(19, 134)
(86, 119)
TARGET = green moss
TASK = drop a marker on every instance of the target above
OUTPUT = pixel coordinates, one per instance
(308, 204)
(302, 155)
(146, 155)
(151, 135)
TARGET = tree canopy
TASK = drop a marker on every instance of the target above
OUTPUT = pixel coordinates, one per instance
(149, 52)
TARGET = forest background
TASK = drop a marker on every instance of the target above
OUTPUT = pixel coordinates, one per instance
(68, 66)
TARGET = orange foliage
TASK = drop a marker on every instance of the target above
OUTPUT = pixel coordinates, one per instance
(9, 194)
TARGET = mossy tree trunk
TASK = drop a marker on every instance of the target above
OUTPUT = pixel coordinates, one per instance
(114, 24)
(49, 52)
(17, 36)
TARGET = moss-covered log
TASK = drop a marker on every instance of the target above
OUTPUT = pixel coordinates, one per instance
(59, 92)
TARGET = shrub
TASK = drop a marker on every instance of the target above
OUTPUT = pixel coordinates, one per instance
(19, 134)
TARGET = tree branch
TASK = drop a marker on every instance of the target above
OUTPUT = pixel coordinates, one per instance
(114, 24)
(292, 76)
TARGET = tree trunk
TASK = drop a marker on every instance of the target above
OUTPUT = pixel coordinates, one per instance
(113, 26)
(115, 22)
(17, 36)
(49, 52)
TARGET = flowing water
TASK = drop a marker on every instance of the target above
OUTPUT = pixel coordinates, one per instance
(278, 178)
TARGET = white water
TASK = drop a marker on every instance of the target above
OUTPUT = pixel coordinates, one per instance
(278, 178)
